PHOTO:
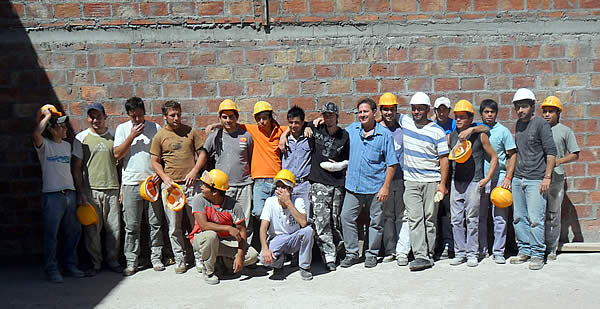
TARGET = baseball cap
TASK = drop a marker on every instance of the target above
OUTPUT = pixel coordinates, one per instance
(330, 107)
(95, 106)
(441, 101)
(420, 98)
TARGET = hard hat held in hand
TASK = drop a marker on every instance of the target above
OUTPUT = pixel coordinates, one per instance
(501, 197)
(87, 214)
(53, 111)
(149, 190)
(461, 152)
(286, 177)
(216, 179)
(175, 197)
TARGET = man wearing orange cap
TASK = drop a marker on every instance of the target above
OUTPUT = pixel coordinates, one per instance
(568, 151)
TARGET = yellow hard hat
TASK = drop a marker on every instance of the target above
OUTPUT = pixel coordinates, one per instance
(286, 177)
(149, 190)
(262, 106)
(227, 105)
(388, 99)
(501, 197)
(463, 106)
(87, 214)
(175, 198)
(216, 179)
(461, 152)
(552, 101)
(53, 112)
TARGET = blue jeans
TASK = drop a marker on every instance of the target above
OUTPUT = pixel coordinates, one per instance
(263, 189)
(59, 211)
(529, 212)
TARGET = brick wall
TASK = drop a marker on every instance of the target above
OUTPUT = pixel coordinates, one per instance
(306, 69)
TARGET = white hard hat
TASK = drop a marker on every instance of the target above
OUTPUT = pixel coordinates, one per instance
(441, 101)
(523, 94)
(420, 98)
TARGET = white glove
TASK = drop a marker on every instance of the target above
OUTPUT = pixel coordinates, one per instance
(438, 196)
(334, 166)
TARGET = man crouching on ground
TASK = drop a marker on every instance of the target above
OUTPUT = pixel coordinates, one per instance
(288, 232)
(220, 229)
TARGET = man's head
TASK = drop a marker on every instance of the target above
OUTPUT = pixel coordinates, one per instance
(228, 115)
(171, 111)
(366, 111)
(285, 180)
(57, 128)
(551, 109)
(388, 106)
(295, 117)
(463, 114)
(97, 117)
(419, 107)
(489, 111)
(524, 101)
(263, 114)
(214, 185)
(135, 109)
(442, 108)
(330, 114)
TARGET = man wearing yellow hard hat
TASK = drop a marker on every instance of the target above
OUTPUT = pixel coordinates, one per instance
(59, 202)
(284, 228)
(467, 182)
(536, 156)
(567, 151)
(219, 228)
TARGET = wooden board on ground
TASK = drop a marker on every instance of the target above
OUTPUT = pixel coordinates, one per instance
(580, 247)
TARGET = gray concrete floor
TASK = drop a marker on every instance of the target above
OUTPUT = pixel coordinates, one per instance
(573, 281)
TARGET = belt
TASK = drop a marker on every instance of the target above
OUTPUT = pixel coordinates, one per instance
(65, 191)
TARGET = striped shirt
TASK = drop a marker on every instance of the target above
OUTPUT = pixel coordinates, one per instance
(422, 150)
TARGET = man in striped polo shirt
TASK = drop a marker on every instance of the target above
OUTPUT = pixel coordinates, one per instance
(425, 174)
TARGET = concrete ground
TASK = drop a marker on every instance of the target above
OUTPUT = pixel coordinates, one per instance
(573, 281)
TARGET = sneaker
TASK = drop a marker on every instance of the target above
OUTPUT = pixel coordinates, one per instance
(349, 261)
(472, 262)
(278, 274)
(211, 279)
(420, 264)
(181, 268)
(158, 266)
(370, 262)
(519, 259)
(402, 260)
(499, 259)
(458, 260)
(389, 258)
(200, 267)
(330, 266)
(536, 263)
(552, 256)
(55, 276)
(129, 271)
(446, 253)
(74, 272)
(305, 274)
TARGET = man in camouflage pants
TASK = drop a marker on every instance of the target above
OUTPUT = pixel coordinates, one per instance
(330, 151)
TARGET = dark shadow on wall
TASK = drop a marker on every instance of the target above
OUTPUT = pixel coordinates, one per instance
(569, 221)
(24, 88)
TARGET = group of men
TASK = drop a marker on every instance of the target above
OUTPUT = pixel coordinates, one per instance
(305, 183)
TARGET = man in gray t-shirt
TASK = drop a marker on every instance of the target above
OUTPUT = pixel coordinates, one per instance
(231, 150)
(536, 154)
(567, 151)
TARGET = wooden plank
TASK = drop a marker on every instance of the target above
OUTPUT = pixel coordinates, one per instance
(580, 247)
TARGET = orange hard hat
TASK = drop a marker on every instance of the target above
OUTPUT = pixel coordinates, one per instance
(87, 214)
(53, 111)
(552, 101)
(149, 190)
(461, 152)
(501, 197)
(175, 198)
(388, 99)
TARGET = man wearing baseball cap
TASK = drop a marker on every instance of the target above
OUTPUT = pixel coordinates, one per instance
(97, 182)
(536, 154)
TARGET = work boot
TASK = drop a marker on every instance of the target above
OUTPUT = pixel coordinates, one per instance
(458, 260)
(349, 260)
(305, 274)
(211, 279)
(181, 268)
(499, 259)
(472, 262)
(370, 262)
(519, 259)
(536, 263)
(402, 260)
(420, 264)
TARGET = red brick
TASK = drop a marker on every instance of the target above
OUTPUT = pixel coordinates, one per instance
(589, 4)
(448, 53)
(145, 59)
(229, 89)
(459, 5)
(63, 10)
(460, 67)
(181, 8)
(241, 8)
(420, 84)
(258, 56)
(107, 76)
(210, 8)
(116, 60)
(312, 87)
(592, 140)
(355, 70)
(301, 72)
(174, 58)
(421, 53)
(486, 67)
(120, 91)
(511, 5)
(204, 90)
(539, 67)
(474, 52)
(382, 70)
(92, 93)
(348, 6)
(587, 183)
(321, 6)
(202, 58)
(442, 84)
(339, 86)
(538, 4)
(366, 86)
(476, 83)
(285, 88)
(305, 103)
(432, 5)
(163, 75)
(38, 10)
(381, 6)
(154, 9)
(176, 90)
(392, 85)
(96, 9)
(194, 74)
(407, 69)
(486, 5)
(529, 52)
(327, 70)
(513, 67)
(293, 6)
(595, 197)
(404, 6)
(135, 76)
(565, 4)
(552, 51)
(397, 54)
(501, 52)
(339, 55)
(259, 88)
(435, 68)
(231, 57)
(524, 82)
(498, 82)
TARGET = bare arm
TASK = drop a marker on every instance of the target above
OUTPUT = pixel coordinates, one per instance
(464, 134)
(38, 139)
(267, 255)
(550, 164)
(511, 161)
(77, 171)
(485, 143)
(384, 191)
(444, 166)
(190, 178)
(285, 199)
(571, 157)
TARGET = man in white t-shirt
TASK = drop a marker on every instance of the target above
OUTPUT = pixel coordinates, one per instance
(284, 221)
(132, 147)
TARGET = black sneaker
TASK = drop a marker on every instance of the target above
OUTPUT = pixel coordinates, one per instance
(278, 274)
(305, 274)
(370, 262)
(419, 264)
(349, 261)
